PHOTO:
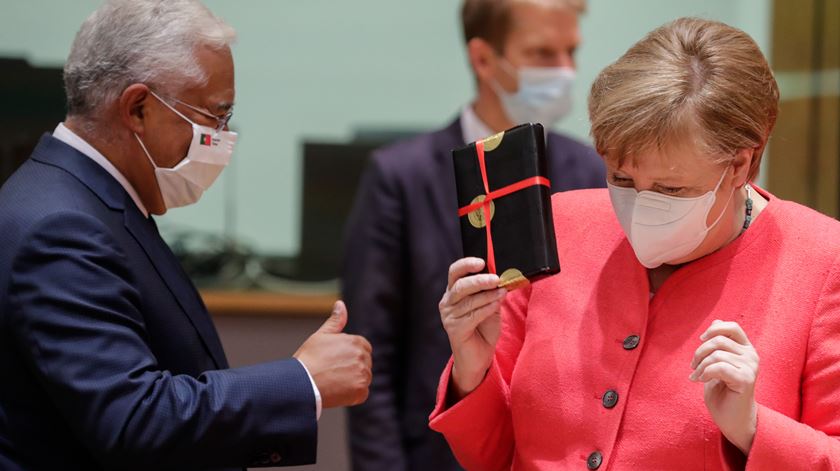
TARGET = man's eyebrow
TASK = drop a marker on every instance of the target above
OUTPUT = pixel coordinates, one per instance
(223, 107)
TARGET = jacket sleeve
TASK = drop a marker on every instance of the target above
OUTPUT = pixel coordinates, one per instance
(373, 286)
(478, 427)
(813, 442)
(74, 313)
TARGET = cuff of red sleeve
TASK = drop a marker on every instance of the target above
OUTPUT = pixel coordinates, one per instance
(780, 443)
(318, 403)
(475, 413)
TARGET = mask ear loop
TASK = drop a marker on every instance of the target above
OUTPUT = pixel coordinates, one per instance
(510, 70)
(722, 211)
(172, 108)
(508, 67)
(145, 151)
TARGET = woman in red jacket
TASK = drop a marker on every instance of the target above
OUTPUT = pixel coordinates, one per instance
(643, 353)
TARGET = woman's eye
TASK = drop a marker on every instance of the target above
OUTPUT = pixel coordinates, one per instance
(621, 180)
(668, 190)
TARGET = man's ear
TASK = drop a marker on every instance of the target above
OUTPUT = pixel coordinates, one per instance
(133, 107)
(482, 59)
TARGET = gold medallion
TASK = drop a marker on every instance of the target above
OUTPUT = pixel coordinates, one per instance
(512, 279)
(477, 217)
(493, 141)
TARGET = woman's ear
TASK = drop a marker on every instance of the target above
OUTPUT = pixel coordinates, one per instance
(741, 166)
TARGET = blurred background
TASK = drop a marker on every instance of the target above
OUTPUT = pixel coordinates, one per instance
(321, 83)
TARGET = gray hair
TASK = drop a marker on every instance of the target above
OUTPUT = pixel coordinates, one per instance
(139, 41)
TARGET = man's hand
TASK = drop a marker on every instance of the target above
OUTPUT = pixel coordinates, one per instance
(339, 363)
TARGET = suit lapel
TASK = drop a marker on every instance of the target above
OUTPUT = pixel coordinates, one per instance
(56, 153)
(167, 266)
(52, 151)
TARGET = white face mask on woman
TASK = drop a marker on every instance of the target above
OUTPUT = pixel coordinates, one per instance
(209, 153)
(663, 228)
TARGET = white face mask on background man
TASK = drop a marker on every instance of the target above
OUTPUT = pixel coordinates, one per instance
(209, 153)
(544, 95)
(663, 228)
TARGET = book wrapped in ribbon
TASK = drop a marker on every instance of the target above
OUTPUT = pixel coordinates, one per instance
(504, 201)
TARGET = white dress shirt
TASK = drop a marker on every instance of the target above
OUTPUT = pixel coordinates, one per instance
(65, 135)
(472, 127)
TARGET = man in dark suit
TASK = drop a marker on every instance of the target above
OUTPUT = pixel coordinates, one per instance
(108, 356)
(403, 233)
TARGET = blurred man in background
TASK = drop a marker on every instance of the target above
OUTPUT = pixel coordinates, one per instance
(108, 356)
(403, 232)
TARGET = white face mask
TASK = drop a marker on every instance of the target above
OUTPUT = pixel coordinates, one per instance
(544, 95)
(208, 155)
(663, 228)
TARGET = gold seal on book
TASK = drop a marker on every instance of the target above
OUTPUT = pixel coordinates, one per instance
(512, 279)
(493, 141)
(477, 217)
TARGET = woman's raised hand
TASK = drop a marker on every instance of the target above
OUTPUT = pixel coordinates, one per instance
(470, 311)
(727, 364)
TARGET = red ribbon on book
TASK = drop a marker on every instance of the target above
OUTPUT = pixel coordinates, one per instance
(489, 196)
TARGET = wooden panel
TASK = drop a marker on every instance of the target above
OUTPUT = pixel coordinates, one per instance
(828, 177)
(259, 303)
(792, 34)
(829, 114)
(804, 160)
(787, 169)
(831, 36)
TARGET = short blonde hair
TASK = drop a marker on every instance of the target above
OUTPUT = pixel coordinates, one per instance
(490, 19)
(689, 79)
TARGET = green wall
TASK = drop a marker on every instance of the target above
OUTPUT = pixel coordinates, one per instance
(320, 69)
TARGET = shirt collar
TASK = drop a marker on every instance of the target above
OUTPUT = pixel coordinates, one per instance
(472, 127)
(65, 135)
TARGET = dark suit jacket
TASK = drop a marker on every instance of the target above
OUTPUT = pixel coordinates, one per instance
(400, 240)
(108, 356)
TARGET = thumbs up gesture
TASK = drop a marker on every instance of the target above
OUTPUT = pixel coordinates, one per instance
(340, 364)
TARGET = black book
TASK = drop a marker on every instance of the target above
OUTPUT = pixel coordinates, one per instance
(514, 173)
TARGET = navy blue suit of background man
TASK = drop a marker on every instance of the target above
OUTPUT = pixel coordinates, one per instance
(404, 233)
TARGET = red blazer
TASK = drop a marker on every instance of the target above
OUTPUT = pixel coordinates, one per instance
(569, 387)
(400, 239)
